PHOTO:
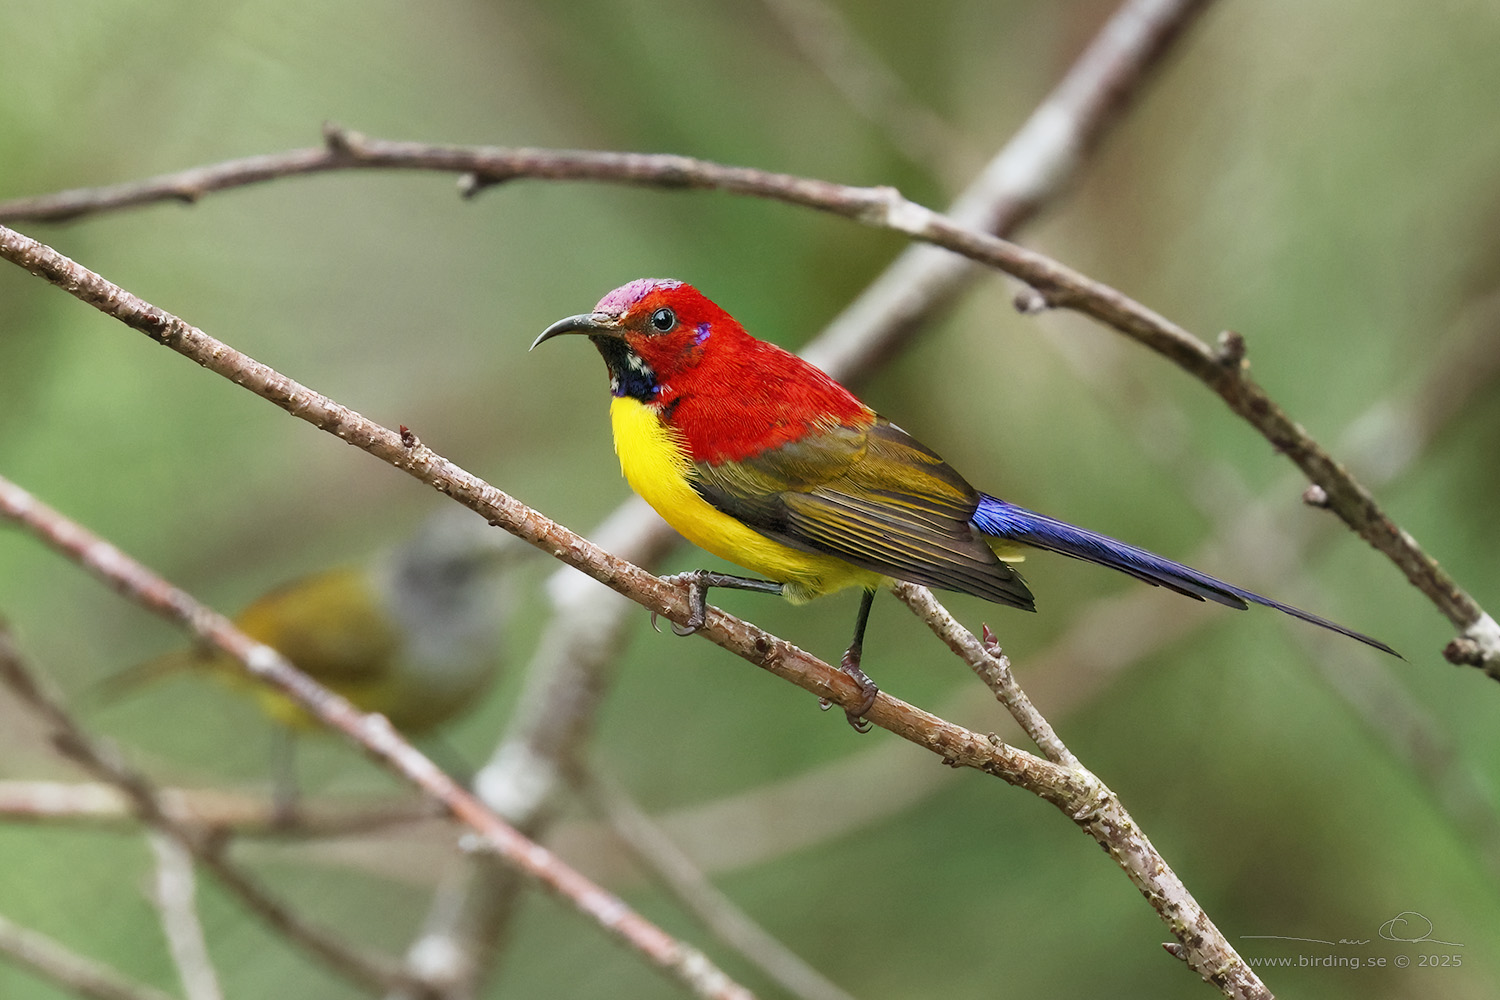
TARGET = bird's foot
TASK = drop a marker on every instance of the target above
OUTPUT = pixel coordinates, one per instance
(697, 600)
(856, 716)
(698, 581)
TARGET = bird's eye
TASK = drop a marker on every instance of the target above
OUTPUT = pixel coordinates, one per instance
(663, 320)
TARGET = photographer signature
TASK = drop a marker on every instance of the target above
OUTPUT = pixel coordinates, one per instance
(1406, 927)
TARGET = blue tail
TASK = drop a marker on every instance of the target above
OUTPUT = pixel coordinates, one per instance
(1005, 520)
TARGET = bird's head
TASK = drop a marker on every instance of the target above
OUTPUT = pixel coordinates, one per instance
(651, 331)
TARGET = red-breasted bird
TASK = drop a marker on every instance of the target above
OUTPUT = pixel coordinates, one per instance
(763, 459)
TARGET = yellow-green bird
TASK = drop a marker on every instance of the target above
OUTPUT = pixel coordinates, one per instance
(415, 633)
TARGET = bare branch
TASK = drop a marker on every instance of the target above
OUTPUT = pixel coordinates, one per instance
(1050, 285)
(1106, 820)
(1033, 168)
(220, 813)
(102, 761)
(1078, 794)
(991, 666)
(567, 680)
(372, 732)
(572, 668)
(1383, 442)
(660, 596)
(1482, 632)
(1113, 632)
(68, 969)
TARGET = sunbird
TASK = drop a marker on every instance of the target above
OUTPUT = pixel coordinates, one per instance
(763, 459)
(415, 632)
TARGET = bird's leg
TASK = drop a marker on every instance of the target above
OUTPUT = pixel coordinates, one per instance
(285, 794)
(850, 666)
(698, 582)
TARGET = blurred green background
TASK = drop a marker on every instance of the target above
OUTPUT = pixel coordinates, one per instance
(1323, 178)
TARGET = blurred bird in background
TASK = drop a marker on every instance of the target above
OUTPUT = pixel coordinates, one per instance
(415, 633)
(764, 460)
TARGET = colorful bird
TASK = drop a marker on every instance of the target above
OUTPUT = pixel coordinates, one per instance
(763, 459)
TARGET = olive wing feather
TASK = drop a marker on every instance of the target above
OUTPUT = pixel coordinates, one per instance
(332, 625)
(873, 496)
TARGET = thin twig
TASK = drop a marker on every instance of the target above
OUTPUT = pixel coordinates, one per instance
(372, 972)
(174, 891)
(1112, 632)
(1106, 819)
(1035, 166)
(572, 669)
(71, 971)
(567, 680)
(1052, 285)
(990, 665)
(373, 732)
(1080, 796)
(672, 868)
(1384, 441)
(222, 814)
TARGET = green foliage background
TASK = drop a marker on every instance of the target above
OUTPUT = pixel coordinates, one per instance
(1322, 178)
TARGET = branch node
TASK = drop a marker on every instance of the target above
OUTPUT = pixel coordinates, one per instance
(1463, 652)
(342, 142)
(1174, 949)
(889, 207)
(1095, 802)
(1479, 646)
(1031, 301)
(1315, 496)
(409, 439)
(471, 185)
(152, 322)
(1231, 349)
(988, 639)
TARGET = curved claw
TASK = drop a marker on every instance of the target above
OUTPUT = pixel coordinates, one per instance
(868, 690)
(698, 603)
(860, 725)
(697, 599)
(856, 716)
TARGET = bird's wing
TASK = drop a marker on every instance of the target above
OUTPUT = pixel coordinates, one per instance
(331, 625)
(873, 496)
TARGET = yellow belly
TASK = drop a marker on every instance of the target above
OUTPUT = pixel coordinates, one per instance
(656, 466)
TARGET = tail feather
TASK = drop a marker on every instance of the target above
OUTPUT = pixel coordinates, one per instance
(1000, 519)
(117, 685)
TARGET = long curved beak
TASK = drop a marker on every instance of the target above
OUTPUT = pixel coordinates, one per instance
(594, 324)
